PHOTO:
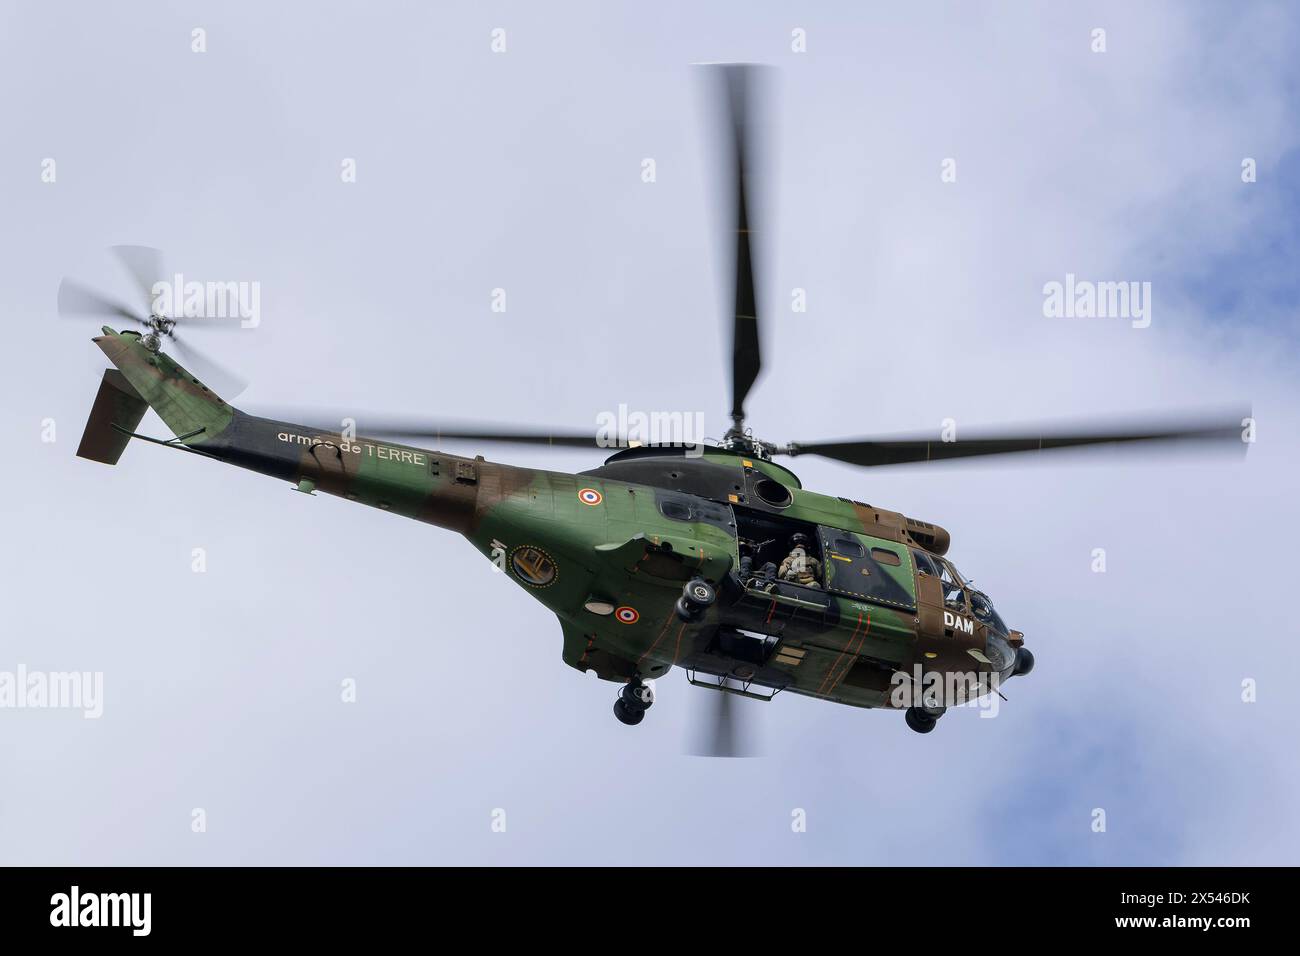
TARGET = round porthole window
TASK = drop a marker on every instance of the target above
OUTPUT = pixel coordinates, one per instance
(533, 565)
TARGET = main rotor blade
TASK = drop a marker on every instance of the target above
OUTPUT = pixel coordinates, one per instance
(559, 439)
(718, 727)
(1223, 431)
(388, 427)
(77, 300)
(144, 265)
(720, 735)
(740, 90)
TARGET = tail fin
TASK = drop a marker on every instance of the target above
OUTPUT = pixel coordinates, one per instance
(187, 406)
(117, 404)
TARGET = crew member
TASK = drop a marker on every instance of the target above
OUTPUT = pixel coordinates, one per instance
(800, 567)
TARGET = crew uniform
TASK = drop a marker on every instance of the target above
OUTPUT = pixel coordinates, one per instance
(800, 567)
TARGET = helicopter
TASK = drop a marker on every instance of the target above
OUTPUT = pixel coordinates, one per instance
(712, 558)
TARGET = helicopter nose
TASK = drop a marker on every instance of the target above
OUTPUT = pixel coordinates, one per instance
(1024, 662)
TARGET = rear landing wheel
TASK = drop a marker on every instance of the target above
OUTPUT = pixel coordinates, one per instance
(919, 720)
(637, 695)
(633, 701)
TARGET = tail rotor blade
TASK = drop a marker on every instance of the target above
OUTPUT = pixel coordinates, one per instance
(80, 301)
(144, 265)
(208, 371)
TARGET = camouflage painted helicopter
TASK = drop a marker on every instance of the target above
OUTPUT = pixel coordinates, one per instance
(716, 560)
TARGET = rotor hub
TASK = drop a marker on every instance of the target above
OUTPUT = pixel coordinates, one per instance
(740, 439)
(157, 327)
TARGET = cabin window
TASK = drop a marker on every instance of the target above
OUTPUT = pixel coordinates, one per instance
(848, 547)
(861, 566)
(884, 556)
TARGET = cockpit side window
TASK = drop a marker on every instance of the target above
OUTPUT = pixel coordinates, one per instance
(954, 595)
(924, 564)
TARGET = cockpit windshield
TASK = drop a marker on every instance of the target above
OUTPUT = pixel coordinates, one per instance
(982, 608)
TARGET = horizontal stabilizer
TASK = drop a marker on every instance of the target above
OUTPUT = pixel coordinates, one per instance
(116, 404)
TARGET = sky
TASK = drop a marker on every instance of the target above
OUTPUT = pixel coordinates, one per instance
(469, 741)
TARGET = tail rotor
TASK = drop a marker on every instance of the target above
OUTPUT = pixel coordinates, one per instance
(153, 308)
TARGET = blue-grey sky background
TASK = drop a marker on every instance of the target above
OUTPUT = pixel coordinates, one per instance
(522, 170)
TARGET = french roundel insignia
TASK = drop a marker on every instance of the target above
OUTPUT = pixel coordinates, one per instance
(627, 615)
(590, 496)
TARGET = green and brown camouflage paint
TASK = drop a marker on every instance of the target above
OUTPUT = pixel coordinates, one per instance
(575, 539)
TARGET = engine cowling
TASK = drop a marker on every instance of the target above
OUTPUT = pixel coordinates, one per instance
(932, 537)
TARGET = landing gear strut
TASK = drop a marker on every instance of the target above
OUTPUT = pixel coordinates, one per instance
(633, 701)
(923, 719)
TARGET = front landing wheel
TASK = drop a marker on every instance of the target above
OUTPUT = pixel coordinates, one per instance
(627, 715)
(697, 597)
(919, 720)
